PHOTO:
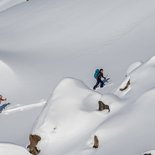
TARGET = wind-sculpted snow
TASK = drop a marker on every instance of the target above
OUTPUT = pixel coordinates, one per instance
(133, 66)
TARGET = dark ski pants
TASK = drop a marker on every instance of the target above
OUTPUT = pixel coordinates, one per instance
(99, 81)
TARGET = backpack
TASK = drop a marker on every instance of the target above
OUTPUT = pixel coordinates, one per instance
(97, 71)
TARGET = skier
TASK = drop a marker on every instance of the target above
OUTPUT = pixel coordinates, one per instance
(99, 75)
(2, 99)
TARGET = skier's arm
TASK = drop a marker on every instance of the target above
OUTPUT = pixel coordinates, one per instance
(103, 76)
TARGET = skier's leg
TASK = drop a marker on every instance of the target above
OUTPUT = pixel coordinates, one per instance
(96, 85)
(101, 83)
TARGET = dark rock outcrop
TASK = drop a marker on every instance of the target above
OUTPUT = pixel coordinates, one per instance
(32, 147)
(96, 142)
(127, 85)
(103, 106)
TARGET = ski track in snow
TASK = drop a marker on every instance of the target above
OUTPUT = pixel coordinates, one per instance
(22, 108)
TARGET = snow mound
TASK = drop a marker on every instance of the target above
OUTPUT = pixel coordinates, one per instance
(10, 149)
(67, 116)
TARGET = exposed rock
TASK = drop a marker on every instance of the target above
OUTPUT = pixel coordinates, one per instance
(127, 85)
(96, 142)
(34, 139)
(103, 106)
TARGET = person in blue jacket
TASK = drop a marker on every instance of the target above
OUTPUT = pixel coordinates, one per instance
(99, 79)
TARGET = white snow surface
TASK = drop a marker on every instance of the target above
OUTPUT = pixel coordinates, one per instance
(9, 149)
(133, 66)
(7, 74)
(44, 41)
(6, 4)
(152, 152)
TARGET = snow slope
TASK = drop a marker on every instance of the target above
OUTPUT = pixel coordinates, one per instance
(70, 118)
(23, 108)
(39, 37)
(42, 42)
(9, 149)
(9, 80)
(77, 25)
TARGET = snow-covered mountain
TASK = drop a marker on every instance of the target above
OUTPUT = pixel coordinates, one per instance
(44, 41)
(71, 119)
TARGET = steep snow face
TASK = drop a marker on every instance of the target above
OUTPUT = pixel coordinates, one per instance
(10, 149)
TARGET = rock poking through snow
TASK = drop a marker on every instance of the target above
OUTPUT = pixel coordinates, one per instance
(32, 147)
